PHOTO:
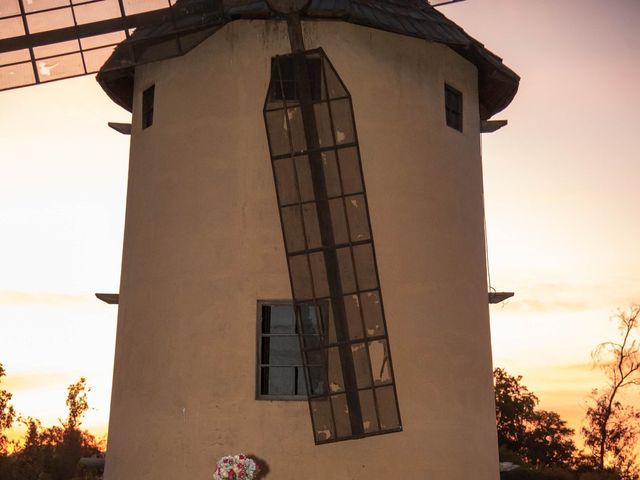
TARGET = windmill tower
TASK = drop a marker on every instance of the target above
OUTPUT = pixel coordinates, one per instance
(305, 189)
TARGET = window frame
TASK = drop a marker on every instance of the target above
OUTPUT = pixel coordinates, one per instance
(448, 88)
(259, 366)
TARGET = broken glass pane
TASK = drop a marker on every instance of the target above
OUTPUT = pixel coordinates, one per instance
(354, 321)
(369, 416)
(322, 419)
(361, 364)
(387, 408)
(372, 313)
(357, 215)
(380, 368)
(342, 121)
(350, 170)
(341, 414)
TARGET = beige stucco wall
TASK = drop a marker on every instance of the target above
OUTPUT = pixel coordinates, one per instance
(203, 243)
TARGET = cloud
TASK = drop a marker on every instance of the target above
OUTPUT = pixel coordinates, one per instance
(9, 297)
(22, 382)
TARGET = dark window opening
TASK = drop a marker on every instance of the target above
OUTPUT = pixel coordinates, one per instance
(280, 373)
(287, 89)
(147, 106)
(453, 107)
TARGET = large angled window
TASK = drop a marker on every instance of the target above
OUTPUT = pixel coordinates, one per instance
(330, 252)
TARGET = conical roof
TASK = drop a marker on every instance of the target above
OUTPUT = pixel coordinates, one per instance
(497, 84)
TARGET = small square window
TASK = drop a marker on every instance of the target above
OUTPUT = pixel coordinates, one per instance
(280, 374)
(147, 106)
(453, 107)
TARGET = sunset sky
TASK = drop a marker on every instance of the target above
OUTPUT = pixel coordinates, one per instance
(562, 204)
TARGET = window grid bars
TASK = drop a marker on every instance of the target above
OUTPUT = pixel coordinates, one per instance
(306, 241)
(314, 301)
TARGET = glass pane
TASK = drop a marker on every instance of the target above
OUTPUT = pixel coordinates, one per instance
(354, 322)
(365, 266)
(357, 215)
(102, 40)
(368, 409)
(40, 22)
(8, 7)
(293, 229)
(11, 27)
(334, 371)
(304, 178)
(285, 181)
(387, 408)
(350, 170)
(380, 362)
(95, 12)
(37, 5)
(335, 87)
(331, 176)
(14, 57)
(341, 414)
(319, 272)
(342, 121)
(300, 277)
(294, 116)
(16, 75)
(322, 422)
(338, 221)
(278, 319)
(361, 365)
(317, 380)
(94, 59)
(345, 267)
(278, 380)
(301, 386)
(60, 67)
(56, 49)
(281, 350)
(278, 133)
(309, 319)
(323, 124)
(311, 226)
(328, 321)
(372, 312)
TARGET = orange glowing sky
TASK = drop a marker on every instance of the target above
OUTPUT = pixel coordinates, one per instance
(561, 187)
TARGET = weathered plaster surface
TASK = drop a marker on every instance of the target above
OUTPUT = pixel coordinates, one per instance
(203, 243)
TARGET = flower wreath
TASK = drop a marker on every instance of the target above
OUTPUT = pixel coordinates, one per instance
(235, 467)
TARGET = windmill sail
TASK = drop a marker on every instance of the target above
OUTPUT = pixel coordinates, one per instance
(330, 253)
(46, 40)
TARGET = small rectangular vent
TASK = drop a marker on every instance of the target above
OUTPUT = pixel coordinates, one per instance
(147, 106)
(453, 107)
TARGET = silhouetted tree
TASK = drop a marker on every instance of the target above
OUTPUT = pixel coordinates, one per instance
(548, 441)
(515, 406)
(612, 429)
(7, 415)
(539, 437)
